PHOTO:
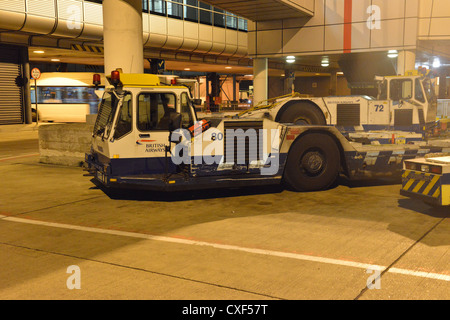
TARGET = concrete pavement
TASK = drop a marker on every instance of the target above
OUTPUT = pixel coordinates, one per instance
(253, 243)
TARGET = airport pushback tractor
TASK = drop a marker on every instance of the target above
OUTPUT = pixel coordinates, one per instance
(404, 103)
(147, 135)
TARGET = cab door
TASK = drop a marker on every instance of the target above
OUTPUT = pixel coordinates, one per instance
(121, 139)
(405, 112)
(153, 110)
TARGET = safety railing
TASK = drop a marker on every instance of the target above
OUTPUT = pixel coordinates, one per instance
(443, 109)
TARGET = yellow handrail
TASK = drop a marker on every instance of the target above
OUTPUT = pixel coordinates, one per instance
(260, 105)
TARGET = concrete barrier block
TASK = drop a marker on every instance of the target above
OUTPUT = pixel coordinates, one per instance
(64, 144)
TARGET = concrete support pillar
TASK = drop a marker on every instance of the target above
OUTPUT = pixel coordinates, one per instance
(26, 85)
(122, 36)
(260, 80)
(406, 61)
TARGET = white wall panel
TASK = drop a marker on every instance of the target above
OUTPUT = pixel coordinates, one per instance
(145, 28)
(84, 20)
(70, 18)
(269, 42)
(242, 48)
(93, 13)
(392, 9)
(174, 34)
(412, 8)
(334, 11)
(231, 42)
(13, 5)
(360, 38)
(92, 32)
(218, 41)
(67, 9)
(190, 36)
(205, 38)
(441, 8)
(41, 16)
(11, 20)
(158, 31)
(38, 24)
(396, 26)
(41, 7)
(411, 31)
(359, 10)
(389, 35)
(303, 40)
(334, 35)
(440, 27)
(425, 8)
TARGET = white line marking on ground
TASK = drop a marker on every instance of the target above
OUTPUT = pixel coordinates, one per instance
(21, 156)
(366, 266)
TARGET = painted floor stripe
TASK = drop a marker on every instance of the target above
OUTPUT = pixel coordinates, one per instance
(311, 258)
(21, 156)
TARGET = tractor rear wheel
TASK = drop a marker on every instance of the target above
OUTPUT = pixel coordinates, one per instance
(313, 163)
(303, 113)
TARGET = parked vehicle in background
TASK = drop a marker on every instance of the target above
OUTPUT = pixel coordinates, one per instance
(66, 96)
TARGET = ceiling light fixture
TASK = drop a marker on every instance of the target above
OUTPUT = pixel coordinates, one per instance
(392, 54)
(290, 59)
(39, 51)
(436, 63)
(325, 62)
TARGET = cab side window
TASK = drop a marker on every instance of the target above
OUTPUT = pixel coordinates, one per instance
(124, 118)
(186, 112)
(418, 92)
(401, 89)
(154, 110)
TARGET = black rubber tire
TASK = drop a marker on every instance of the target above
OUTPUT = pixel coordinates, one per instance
(302, 113)
(313, 163)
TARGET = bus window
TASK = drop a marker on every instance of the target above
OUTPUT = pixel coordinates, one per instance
(66, 95)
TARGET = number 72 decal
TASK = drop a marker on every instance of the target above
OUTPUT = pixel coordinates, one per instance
(379, 108)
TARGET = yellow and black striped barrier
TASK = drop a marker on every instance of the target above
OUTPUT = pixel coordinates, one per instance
(85, 48)
(424, 186)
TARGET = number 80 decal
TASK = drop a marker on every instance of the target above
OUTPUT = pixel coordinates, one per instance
(216, 136)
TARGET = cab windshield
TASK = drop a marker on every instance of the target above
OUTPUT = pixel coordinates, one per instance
(105, 116)
(429, 90)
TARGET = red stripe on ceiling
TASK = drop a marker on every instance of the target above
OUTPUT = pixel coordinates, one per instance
(348, 26)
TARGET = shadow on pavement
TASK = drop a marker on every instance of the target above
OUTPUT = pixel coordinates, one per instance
(171, 196)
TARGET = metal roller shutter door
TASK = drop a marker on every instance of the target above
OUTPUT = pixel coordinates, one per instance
(11, 110)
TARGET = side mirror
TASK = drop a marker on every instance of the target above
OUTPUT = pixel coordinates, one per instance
(175, 121)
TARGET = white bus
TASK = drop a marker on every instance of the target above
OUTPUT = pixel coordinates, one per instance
(66, 96)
